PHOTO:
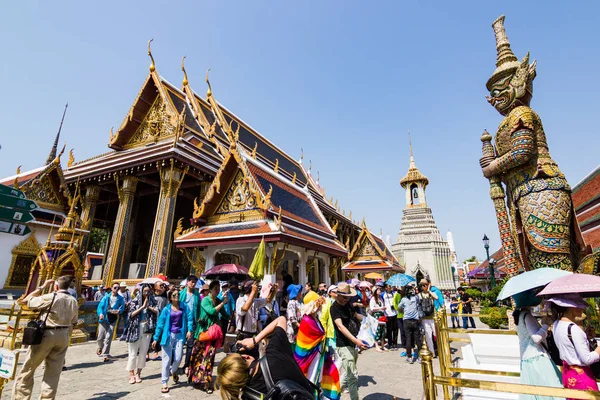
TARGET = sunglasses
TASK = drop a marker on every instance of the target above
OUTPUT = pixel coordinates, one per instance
(116, 288)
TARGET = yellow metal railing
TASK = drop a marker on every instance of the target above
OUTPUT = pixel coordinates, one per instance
(447, 378)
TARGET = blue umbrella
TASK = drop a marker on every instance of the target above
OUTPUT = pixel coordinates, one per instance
(400, 280)
(530, 280)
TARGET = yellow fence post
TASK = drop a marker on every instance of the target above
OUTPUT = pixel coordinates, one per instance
(427, 371)
(443, 347)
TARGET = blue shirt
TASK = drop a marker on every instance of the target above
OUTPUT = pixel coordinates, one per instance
(410, 307)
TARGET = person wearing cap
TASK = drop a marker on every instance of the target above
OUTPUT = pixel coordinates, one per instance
(347, 325)
(110, 307)
(294, 312)
(572, 342)
(537, 367)
(434, 296)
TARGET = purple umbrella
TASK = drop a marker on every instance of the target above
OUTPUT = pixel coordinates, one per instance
(584, 284)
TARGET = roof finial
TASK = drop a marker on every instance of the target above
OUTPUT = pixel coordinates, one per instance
(301, 155)
(152, 65)
(410, 146)
(318, 177)
(19, 170)
(185, 78)
(309, 166)
(209, 90)
(52, 154)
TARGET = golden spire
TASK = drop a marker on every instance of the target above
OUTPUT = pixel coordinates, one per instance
(185, 78)
(413, 175)
(412, 160)
(152, 66)
(71, 159)
(209, 90)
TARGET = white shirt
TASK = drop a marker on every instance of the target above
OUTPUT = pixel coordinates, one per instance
(373, 305)
(578, 355)
(389, 305)
(251, 320)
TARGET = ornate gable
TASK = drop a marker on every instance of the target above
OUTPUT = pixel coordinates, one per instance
(156, 125)
(47, 188)
(239, 196)
(366, 249)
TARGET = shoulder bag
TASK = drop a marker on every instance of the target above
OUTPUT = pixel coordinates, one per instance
(34, 331)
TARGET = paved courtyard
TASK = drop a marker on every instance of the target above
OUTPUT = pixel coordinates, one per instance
(382, 376)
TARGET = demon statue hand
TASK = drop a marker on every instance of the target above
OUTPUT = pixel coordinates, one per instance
(542, 219)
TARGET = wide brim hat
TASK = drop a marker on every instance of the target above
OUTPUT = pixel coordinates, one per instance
(293, 291)
(330, 288)
(343, 289)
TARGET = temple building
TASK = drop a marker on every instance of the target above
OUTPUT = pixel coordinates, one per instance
(586, 201)
(420, 247)
(181, 164)
(44, 185)
(371, 254)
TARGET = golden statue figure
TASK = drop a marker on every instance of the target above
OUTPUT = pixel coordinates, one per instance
(542, 222)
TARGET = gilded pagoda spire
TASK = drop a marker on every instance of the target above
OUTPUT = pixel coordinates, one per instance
(413, 175)
(52, 154)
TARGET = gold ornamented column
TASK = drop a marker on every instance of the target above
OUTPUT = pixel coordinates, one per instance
(92, 194)
(162, 236)
(116, 251)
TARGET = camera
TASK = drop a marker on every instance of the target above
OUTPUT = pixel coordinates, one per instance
(237, 348)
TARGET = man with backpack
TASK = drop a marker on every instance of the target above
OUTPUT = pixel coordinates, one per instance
(428, 299)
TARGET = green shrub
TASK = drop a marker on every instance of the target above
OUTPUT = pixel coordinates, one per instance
(474, 293)
(497, 316)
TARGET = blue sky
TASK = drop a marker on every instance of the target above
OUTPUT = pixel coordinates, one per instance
(344, 80)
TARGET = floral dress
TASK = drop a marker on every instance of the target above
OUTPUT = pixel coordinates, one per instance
(380, 334)
(294, 314)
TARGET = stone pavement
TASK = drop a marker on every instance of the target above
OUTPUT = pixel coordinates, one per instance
(383, 376)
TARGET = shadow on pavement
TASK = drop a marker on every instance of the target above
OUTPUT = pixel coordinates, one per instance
(364, 380)
(106, 395)
(382, 396)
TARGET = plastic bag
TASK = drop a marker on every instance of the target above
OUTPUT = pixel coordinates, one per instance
(368, 329)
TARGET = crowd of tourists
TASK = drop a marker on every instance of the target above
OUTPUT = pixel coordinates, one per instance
(308, 335)
(316, 327)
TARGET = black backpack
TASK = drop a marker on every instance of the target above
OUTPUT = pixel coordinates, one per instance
(427, 306)
(285, 389)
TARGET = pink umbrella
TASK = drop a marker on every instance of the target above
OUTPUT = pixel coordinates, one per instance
(584, 284)
(227, 269)
(365, 284)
